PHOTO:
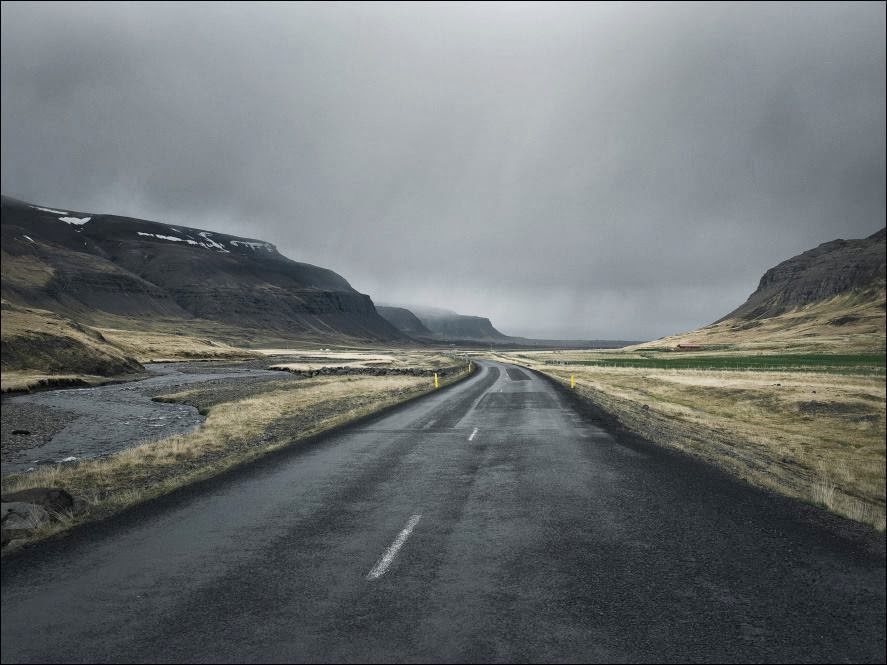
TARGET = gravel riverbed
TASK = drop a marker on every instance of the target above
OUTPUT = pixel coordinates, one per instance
(51, 426)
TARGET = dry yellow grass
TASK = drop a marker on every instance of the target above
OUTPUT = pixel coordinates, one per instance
(849, 323)
(41, 347)
(160, 346)
(24, 271)
(233, 433)
(23, 380)
(20, 321)
(43, 344)
(816, 436)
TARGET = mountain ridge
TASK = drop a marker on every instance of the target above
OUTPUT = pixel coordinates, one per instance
(829, 298)
(447, 326)
(404, 320)
(830, 269)
(85, 265)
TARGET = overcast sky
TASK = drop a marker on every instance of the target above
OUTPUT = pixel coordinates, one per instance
(573, 171)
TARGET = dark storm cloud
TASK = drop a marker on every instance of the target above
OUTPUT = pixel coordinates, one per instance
(568, 170)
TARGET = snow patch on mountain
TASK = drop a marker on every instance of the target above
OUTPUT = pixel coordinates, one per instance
(252, 245)
(75, 221)
(210, 242)
(170, 238)
(54, 212)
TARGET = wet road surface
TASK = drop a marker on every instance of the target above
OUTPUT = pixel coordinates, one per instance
(488, 522)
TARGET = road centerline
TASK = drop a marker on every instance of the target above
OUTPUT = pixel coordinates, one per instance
(385, 561)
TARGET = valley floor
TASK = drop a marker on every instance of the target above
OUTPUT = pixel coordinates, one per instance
(489, 522)
(190, 421)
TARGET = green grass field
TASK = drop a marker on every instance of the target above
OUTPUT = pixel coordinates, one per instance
(863, 363)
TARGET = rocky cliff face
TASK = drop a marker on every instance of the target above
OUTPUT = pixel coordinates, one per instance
(404, 320)
(450, 326)
(465, 327)
(83, 264)
(833, 268)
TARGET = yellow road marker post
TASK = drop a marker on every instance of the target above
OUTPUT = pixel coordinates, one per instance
(572, 380)
(436, 383)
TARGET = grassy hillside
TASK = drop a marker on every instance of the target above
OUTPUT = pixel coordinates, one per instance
(848, 323)
(43, 349)
(38, 345)
(152, 346)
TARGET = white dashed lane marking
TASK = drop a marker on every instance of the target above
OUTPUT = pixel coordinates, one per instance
(383, 563)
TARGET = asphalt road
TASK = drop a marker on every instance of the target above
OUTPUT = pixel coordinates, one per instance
(488, 522)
